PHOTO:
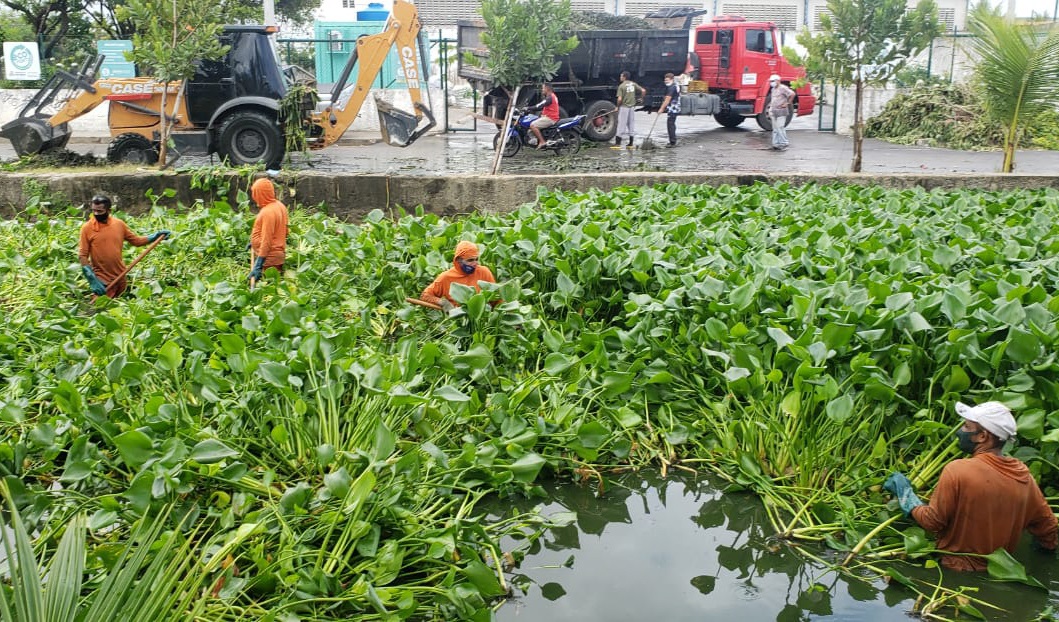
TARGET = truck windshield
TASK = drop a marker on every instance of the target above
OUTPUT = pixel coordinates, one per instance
(759, 41)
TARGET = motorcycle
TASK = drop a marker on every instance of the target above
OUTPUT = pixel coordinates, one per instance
(564, 137)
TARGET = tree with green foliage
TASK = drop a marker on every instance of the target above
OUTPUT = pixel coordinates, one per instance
(104, 14)
(525, 39)
(864, 43)
(171, 37)
(1018, 72)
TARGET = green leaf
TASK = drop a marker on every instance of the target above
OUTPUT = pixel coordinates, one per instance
(780, 336)
(1003, 567)
(135, 448)
(742, 296)
(556, 363)
(484, 579)
(170, 356)
(527, 467)
(275, 374)
(1022, 346)
(211, 450)
(592, 434)
(450, 393)
(840, 409)
(615, 383)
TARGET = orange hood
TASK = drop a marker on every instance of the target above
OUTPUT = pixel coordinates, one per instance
(263, 192)
(463, 251)
(1006, 466)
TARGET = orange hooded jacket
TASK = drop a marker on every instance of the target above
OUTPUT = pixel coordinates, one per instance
(440, 287)
(983, 503)
(268, 238)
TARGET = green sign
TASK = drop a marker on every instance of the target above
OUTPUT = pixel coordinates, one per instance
(115, 65)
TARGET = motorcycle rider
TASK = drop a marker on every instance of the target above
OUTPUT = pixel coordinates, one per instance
(549, 107)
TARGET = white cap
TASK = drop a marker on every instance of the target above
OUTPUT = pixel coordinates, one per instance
(774, 77)
(992, 416)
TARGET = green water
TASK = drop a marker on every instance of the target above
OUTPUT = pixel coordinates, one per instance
(677, 550)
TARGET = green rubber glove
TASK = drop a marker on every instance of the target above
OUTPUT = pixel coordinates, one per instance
(901, 488)
(97, 286)
(154, 236)
(259, 268)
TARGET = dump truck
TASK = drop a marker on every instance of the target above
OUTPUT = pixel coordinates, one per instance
(231, 106)
(727, 59)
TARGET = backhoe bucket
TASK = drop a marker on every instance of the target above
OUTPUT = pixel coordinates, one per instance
(399, 127)
(33, 135)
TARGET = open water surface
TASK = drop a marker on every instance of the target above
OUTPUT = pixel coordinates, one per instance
(680, 550)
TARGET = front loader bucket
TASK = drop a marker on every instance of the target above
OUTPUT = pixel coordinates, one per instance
(33, 135)
(399, 127)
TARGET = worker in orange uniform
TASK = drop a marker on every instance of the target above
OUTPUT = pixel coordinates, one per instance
(102, 239)
(984, 502)
(465, 270)
(268, 239)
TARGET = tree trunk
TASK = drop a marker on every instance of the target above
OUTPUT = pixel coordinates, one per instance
(503, 133)
(858, 126)
(1010, 142)
(163, 136)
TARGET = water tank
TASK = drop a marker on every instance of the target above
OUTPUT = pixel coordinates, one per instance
(374, 13)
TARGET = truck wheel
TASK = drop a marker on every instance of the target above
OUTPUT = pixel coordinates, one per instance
(511, 147)
(766, 123)
(132, 148)
(729, 120)
(597, 127)
(248, 137)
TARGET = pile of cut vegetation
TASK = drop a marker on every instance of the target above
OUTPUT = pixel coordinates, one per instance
(53, 158)
(598, 20)
(936, 115)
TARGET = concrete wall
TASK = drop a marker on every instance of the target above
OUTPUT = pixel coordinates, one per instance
(350, 197)
(874, 101)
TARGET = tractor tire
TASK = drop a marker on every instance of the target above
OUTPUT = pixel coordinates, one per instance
(765, 122)
(511, 147)
(250, 137)
(729, 120)
(132, 148)
(571, 143)
(601, 128)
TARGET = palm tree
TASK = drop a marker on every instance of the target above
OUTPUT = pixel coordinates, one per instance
(1018, 71)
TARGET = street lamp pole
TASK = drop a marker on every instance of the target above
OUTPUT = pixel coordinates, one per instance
(270, 12)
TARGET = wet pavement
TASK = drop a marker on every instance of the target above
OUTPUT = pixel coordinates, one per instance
(703, 145)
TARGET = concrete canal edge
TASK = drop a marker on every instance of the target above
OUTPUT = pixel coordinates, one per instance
(350, 197)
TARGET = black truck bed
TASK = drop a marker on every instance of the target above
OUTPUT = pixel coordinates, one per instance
(597, 61)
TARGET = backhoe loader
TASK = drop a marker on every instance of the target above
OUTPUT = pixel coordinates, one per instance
(231, 106)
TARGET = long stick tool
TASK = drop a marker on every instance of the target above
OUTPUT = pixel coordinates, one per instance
(647, 145)
(423, 303)
(134, 262)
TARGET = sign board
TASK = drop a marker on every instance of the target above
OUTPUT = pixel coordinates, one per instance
(115, 65)
(21, 60)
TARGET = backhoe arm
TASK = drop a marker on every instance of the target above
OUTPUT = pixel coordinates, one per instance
(398, 127)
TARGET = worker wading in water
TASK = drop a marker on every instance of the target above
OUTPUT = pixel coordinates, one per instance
(268, 238)
(465, 270)
(984, 502)
(102, 239)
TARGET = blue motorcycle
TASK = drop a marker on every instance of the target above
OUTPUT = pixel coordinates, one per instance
(564, 137)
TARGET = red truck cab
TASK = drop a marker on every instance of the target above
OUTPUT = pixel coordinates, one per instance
(735, 59)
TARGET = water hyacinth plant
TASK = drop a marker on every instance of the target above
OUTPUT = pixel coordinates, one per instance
(316, 448)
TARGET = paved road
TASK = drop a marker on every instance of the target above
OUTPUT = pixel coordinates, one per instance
(703, 146)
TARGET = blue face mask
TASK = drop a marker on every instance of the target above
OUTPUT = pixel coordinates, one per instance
(467, 268)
